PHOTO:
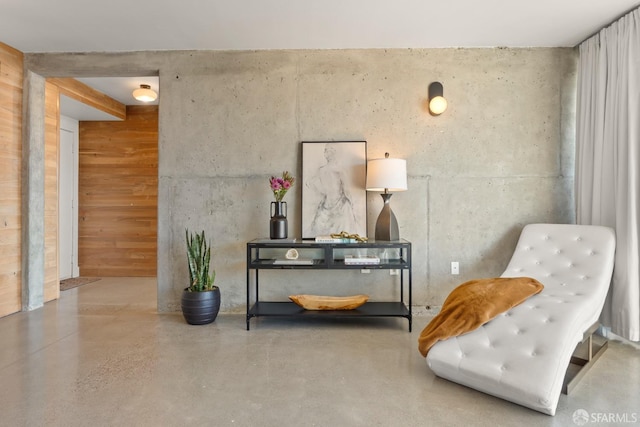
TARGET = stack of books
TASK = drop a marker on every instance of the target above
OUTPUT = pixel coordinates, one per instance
(358, 260)
(293, 261)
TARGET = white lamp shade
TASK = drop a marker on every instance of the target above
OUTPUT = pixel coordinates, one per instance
(387, 174)
(145, 94)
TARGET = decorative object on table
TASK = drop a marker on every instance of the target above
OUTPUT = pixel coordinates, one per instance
(342, 237)
(350, 236)
(437, 101)
(278, 225)
(333, 187)
(201, 299)
(388, 175)
(292, 254)
(321, 302)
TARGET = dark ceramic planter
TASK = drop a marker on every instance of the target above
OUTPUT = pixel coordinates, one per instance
(200, 308)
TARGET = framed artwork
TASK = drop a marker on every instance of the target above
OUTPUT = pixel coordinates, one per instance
(334, 197)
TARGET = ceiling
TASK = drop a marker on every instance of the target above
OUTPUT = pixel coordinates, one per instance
(124, 25)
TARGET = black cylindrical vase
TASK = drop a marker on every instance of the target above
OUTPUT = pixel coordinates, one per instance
(278, 224)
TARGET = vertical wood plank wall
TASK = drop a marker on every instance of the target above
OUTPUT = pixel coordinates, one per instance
(118, 195)
(51, 153)
(11, 85)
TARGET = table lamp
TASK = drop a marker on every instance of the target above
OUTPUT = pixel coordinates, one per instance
(388, 175)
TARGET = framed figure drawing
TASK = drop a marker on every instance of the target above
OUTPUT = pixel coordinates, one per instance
(334, 196)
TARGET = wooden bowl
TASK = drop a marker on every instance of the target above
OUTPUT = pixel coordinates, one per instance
(320, 302)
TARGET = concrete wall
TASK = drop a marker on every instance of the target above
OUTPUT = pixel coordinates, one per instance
(500, 157)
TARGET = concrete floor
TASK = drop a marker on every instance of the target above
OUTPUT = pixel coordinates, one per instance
(101, 355)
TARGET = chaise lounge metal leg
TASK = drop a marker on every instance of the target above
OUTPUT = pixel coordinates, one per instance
(585, 362)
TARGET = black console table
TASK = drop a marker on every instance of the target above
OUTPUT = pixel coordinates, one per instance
(270, 255)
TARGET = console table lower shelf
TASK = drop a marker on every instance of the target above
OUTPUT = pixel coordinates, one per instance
(290, 309)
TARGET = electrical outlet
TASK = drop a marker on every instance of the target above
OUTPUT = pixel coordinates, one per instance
(394, 272)
(455, 267)
(365, 271)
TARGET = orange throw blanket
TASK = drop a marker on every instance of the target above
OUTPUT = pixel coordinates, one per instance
(473, 304)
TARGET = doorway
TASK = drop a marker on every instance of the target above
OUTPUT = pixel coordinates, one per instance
(67, 199)
(108, 224)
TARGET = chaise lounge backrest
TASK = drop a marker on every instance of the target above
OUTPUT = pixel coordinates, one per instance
(574, 262)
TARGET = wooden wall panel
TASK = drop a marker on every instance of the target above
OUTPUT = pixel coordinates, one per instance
(51, 150)
(118, 195)
(11, 84)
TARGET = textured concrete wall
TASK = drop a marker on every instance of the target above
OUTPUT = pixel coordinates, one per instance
(500, 157)
(33, 195)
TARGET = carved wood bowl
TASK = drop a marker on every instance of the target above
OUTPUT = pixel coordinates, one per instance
(320, 302)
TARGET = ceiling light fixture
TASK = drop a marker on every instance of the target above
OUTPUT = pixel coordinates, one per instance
(145, 94)
(437, 102)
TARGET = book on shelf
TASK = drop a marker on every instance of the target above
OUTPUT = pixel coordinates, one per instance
(329, 239)
(298, 261)
(366, 259)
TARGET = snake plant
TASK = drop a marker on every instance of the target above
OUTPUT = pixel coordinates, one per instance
(199, 257)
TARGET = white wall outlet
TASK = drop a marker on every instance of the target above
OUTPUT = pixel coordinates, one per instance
(394, 272)
(365, 271)
(455, 267)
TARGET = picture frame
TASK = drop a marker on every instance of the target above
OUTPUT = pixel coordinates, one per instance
(334, 196)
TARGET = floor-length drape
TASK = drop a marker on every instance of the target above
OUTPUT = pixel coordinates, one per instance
(608, 159)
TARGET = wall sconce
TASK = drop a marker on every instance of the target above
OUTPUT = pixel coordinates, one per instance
(145, 94)
(387, 175)
(437, 103)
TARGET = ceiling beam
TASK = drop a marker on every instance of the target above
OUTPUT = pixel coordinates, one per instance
(81, 92)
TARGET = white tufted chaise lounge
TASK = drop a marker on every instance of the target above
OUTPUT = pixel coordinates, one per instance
(523, 355)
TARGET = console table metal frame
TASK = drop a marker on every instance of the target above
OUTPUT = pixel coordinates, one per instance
(329, 262)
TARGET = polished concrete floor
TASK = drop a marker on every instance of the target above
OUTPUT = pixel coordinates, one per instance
(102, 356)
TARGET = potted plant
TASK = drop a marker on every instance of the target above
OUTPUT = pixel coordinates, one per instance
(201, 299)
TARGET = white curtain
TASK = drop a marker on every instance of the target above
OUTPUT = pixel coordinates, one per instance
(608, 159)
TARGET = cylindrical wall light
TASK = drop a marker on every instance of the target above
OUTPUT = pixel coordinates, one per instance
(437, 103)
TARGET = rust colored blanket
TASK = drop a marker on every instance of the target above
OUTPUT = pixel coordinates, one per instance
(474, 303)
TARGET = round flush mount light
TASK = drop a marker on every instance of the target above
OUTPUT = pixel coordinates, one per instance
(437, 102)
(145, 94)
